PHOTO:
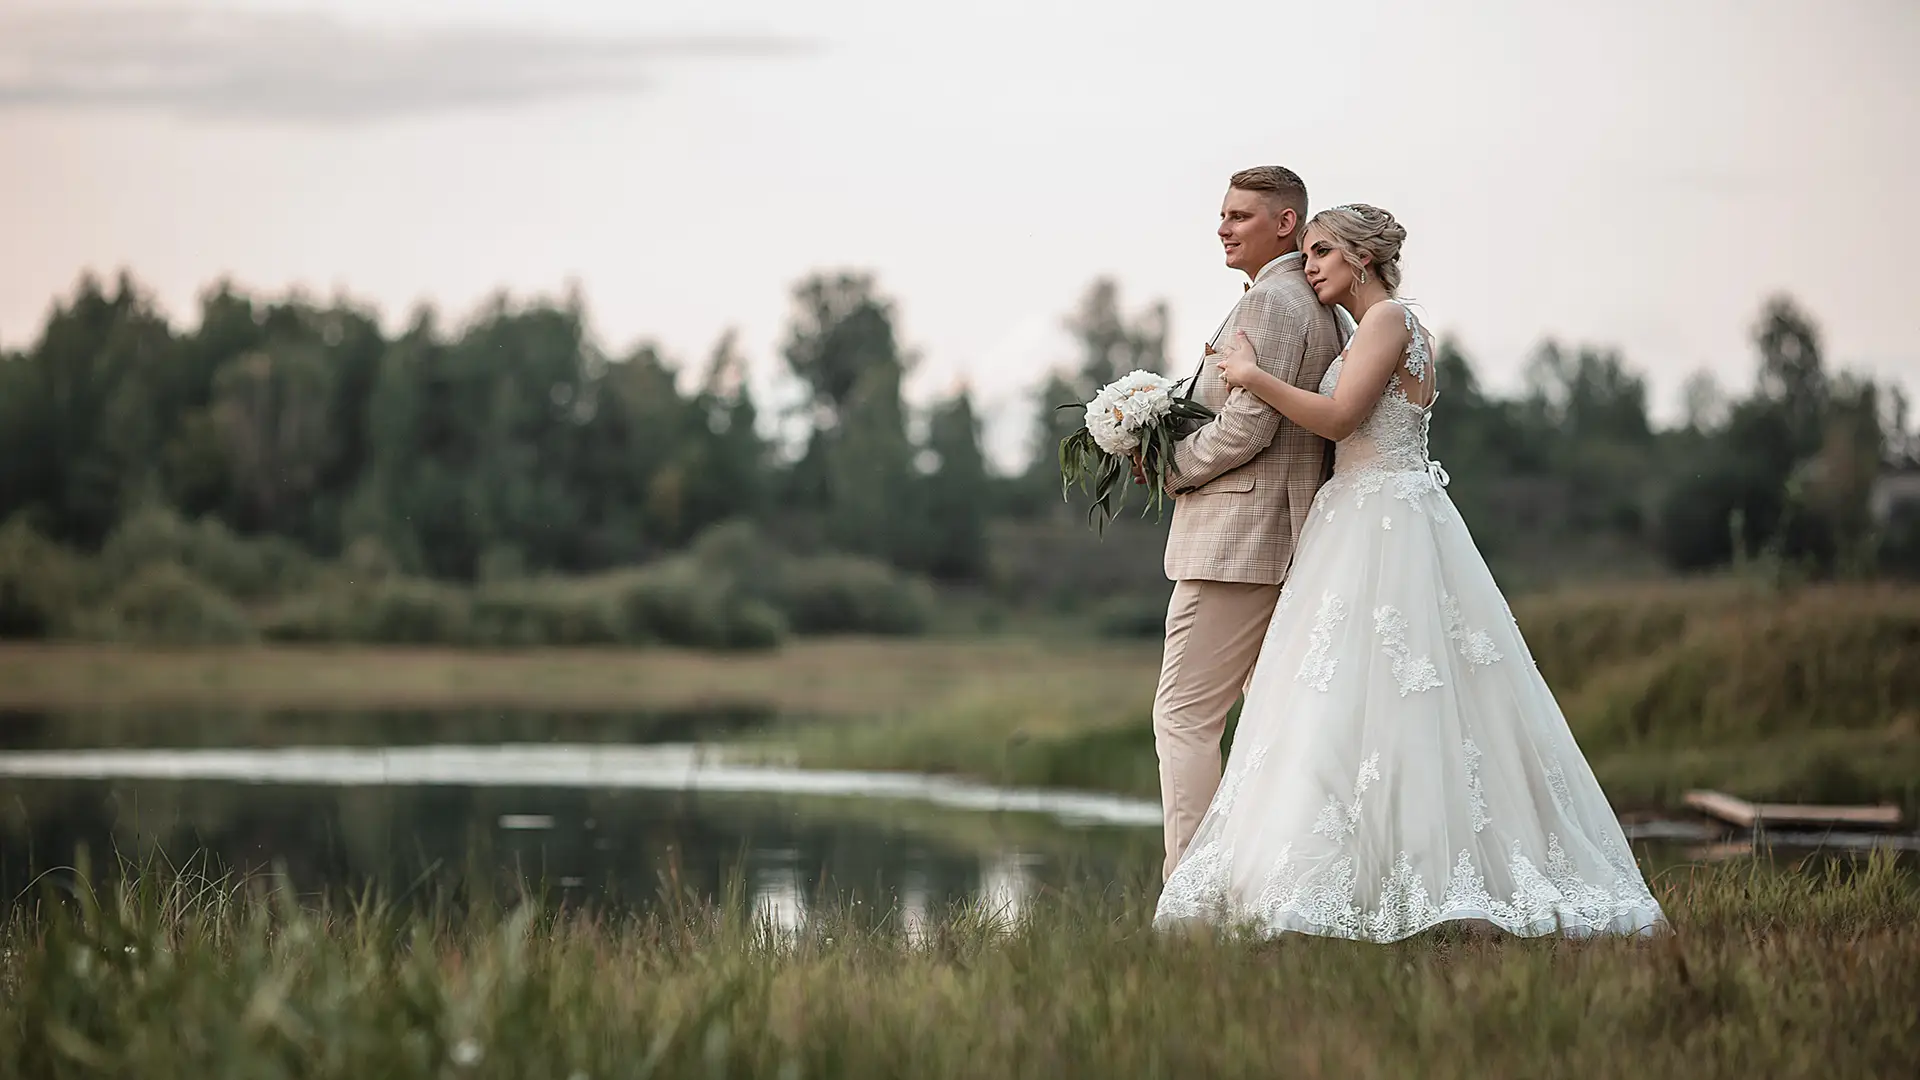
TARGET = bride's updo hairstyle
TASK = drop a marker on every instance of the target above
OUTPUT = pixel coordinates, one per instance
(1357, 229)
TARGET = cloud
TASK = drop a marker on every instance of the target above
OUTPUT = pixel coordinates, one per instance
(313, 68)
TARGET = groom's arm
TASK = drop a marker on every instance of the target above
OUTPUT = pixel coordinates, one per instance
(1245, 425)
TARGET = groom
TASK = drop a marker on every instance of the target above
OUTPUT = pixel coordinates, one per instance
(1242, 484)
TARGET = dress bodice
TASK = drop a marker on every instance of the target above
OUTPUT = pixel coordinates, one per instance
(1393, 437)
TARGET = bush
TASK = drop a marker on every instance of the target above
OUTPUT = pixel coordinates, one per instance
(246, 568)
(545, 613)
(819, 594)
(675, 602)
(396, 612)
(40, 584)
(163, 603)
(844, 594)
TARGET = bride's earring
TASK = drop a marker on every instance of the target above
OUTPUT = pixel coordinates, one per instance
(1363, 275)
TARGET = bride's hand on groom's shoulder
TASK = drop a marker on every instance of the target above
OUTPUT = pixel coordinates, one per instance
(1239, 363)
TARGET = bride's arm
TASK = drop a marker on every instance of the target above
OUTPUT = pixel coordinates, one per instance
(1374, 353)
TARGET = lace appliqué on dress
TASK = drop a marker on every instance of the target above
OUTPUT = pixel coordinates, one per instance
(1417, 355)
(1412, 674)
(1476, 790)
(1229, 789)
(1557, 786)
(1317, 668)
(1475, 646)
(1554, 897)
(1198, 887)
(1388, 450)
(1339, 820)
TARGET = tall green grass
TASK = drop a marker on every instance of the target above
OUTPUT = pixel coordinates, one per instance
(1810, 694)
(1768, 974)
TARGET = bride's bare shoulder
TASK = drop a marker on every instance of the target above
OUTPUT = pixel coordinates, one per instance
(1386, 323)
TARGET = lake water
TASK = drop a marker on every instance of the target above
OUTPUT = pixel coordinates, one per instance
(339, 802)
(619, 811)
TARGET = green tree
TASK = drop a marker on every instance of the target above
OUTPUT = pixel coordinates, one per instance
(76, 434)
(1793, 378)
(733, 475)
(857, 477)
(958, 493)
(1754, 485)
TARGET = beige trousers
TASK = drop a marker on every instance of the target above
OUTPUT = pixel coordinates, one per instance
(1214, 633)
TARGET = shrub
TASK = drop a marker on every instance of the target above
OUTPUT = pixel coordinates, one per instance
(844, 594)
(246, 568)
(400, 611)
(41, 584)
(545, 613)
(816, 594)
(675, 602)
(163, 603)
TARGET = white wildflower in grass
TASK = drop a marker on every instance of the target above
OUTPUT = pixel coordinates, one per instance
(1135, 416)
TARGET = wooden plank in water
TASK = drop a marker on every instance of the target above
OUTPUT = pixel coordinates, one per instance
(1747, 815)
(1725, 807)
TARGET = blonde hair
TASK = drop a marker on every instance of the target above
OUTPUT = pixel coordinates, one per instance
(1281, 186)
(1357, 230)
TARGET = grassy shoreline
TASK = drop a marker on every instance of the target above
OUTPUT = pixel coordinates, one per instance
(1810, 694)
(1768, 974)
(824, 676)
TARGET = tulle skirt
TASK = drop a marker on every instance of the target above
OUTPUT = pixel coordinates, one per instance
(1399, 761)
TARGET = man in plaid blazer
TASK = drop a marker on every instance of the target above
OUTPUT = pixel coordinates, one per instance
(1242, 484)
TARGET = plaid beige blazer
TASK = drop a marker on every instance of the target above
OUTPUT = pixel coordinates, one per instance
(1242, 483)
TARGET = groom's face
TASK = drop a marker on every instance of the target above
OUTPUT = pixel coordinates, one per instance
(1253, 231)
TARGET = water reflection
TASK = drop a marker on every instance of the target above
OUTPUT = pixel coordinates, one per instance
(610, 848)
(1005, 882)
(669, 767)
(776, 900)
(613, 825)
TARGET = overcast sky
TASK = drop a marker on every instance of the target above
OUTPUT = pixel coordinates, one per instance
(1639, 174)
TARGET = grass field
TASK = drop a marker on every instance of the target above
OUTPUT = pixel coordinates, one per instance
(1768, 974)
(1807, 694)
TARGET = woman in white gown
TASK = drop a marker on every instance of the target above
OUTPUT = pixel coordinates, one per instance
(1399, 761)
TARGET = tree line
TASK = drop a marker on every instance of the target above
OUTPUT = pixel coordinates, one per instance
(513, 446)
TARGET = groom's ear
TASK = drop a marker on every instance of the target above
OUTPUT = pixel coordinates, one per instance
(1288, 220)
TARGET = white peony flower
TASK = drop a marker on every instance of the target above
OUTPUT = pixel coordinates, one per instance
(1105, 423)
(1126, 407)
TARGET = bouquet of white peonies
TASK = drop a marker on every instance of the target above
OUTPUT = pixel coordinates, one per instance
(1134, 418)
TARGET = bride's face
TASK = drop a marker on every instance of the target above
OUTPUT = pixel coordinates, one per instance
(1327, 268)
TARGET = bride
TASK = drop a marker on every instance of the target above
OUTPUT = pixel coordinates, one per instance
(1399, 762)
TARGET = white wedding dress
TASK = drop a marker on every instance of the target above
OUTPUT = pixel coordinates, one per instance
(1399, 761)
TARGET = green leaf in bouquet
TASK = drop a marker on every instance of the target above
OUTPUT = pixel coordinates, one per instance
(1078, 453)
(1107, 477)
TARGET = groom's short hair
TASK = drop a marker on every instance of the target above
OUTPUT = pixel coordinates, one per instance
(1281, 185)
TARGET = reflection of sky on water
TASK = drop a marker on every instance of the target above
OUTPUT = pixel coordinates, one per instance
(660, 767)
(1006, 882)
(779, 902)
(783, 859)
(915, 905)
